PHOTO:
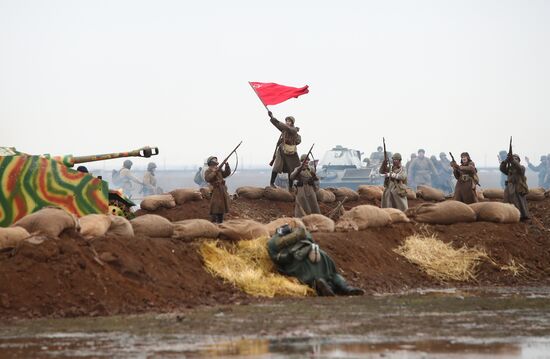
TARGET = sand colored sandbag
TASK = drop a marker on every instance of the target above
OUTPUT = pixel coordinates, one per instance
(50, 221)
(429, 193)
(370, 192)
(206, 192)
(94, 225)
(396, 215)
(318, 223)
(362, 217)
(120, 227)
(250, 192)
(11, 236)
(278, 194)
(342, 192)
(291, 221)
(536, 194)
(325, 196)
(154, 202)
(242, 229)
(479, 194)
(195, 228)
(154, 226)
(447, 212)
(493, 193)
(497, 212)
(184, 195)
(411, 194)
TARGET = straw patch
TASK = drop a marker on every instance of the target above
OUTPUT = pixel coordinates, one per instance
(441, 260)
(514, 268)
(247, 265)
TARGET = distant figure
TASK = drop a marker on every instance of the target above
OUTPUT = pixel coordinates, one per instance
(467, 180)
(422, 170)
(199, 175)
(516, 185)
(219, 202)
(541, 168)
(285, 158)
(502, 157)
(377, 156)
(395, 184)
(126, 178)
(446, 173)
(410, 180)
(150, 181)
(82, 169)
(436, 178)
(307, 185)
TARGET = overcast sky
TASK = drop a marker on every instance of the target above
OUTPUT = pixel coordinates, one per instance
(86, 77)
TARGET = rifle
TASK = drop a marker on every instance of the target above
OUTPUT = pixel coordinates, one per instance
(452, 157)
(227, 158)
(307, 156)
(385, 155)
(336, 211)
(510, 154)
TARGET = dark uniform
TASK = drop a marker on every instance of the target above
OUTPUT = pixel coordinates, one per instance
(219, 202)
(516, 185)
(286, 155)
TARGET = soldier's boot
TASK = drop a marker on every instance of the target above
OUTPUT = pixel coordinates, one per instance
(220, 218)
(290, 183)
(343, 288)
(322, 288)
(272, 181)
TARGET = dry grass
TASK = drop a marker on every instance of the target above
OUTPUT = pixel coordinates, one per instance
(514, 268)
(441, 260)
(247, 265)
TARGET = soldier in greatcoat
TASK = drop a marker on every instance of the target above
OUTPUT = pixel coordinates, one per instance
(307, 185)
(466, 179)
(395, 184)
(219, 202)
(516, 188)
(422, 169)
(286, 156)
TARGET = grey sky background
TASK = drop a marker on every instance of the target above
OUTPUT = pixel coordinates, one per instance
(86, 77)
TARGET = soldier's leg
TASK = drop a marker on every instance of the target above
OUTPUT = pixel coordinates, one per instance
(342, 287)
(272, 181)
(220, 218)
(290, 183)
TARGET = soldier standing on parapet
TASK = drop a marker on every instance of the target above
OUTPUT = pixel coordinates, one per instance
(422, 170)
(219, 202)
(516, 185)
(467, 179)
(285, 159)
(395, 184)
(542, 169)
(307, 184)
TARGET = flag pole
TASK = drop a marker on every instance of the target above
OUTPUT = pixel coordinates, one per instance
(259, 98)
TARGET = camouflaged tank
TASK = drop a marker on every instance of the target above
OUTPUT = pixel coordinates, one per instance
(31, 182)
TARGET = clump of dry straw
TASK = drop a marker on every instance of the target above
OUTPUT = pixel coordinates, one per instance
(247, 265)
(441, 260)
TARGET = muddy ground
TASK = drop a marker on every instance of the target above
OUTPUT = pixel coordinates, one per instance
(70, 276)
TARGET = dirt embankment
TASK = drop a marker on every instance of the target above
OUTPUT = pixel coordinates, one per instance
(71, 276)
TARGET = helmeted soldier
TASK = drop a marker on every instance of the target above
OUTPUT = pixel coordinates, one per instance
(395, 184)
(150, 180)
(219, 200)
(445, 173)
(127, 179)
(422, 169)
(516, 184)
(285, 159)
(307, 185)
(467, 179)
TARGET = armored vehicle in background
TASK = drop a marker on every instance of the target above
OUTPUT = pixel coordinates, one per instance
(31, 182)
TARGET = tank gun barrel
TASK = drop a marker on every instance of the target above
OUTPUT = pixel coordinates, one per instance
(146, 152)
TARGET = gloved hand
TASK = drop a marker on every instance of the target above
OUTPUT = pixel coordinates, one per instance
(270, 114)
(226, 166)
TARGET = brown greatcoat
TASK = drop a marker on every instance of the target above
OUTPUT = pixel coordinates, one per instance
(516, 188)
(395, 188)
(219, 202)
(466, 181)
(306, 197)
(285, 161)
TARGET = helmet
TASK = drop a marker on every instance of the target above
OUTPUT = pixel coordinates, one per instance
(396, 156)
(127, 164)
(151, 166)
(421, 150)
(82, 169)
(212, 160)
(291, 119)
(442, 154)
(379, 148)
(284, 230)
(303, 157)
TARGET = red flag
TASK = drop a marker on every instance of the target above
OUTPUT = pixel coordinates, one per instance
(272, 93)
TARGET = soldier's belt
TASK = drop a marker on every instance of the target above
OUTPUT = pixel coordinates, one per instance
(465, 178)
(289, 149)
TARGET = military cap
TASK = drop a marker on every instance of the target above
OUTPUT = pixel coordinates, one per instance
(212, 160)
(127, 164)
(303, 157)
(396, 156)
(291, 119)
(421, 150)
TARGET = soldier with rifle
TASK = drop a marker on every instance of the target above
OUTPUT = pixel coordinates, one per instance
(466, 179)
(307, 184)
(215, 175)
(285, 157)
(516, 188)
(395, 182)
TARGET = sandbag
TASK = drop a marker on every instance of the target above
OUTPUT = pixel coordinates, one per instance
(11, 236)
(184, 195)
(362, 217)
(291, 221)
(411, 194)
(536, 194)
(195, 228)
(479, 194)
(120, 227)
(370, 192)
(94, 225)
(497, 212)
(50, 221)
(342, 192)
(278, 194)
(250, 192)
(396, 215)
(429, 193)
(325, 196)
(242, 229)
(493, 193)
(152, 225)
(154, 202)
(447, 212)
(206, 192)
(318, 223)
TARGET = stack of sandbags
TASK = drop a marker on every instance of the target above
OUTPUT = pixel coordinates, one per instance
(325, 196)
(10, 237)
(318, 223)
(154, 202)
(428, 193)
(536, 194)
(411, 194)
(250, 192)
(493, 193)
(151, 225)
(497, 212)
(396, 215)
(242, 229)
(344, 192)
(447, 212)
(362, 217)
(95, 225)
(195, 228)
(479, 194)
(120, 227)
(184, 195)
(50, 221)
(278, 194)
(291, 221)
(370, 193)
